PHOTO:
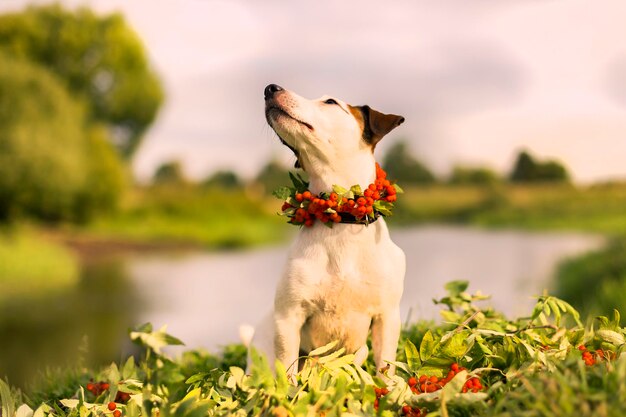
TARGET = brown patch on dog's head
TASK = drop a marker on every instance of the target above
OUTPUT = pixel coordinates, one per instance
(375, 124)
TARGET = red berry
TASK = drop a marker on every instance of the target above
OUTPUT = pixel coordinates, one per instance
(455, 367)
(117, 413)
(582, 347)
(412, 382)
(91, 387)
(307, 195)
(406, 410)
(112, 406)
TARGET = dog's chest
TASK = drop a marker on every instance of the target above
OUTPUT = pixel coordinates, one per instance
(341, 272)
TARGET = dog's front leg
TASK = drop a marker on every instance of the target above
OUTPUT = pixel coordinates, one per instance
(385, 334)
(288, 323)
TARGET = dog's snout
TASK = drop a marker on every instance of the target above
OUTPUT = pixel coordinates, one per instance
(271, 90)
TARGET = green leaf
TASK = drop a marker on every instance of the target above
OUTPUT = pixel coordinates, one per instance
(129, 368)
(398, 189)
(339, 189)
(356, 189)
(455, 288)
(155, 340)
(427, 347)
(611, 336)
(323, 349)
(384, 207)
(282, 193)
(456, 346)
(412, 356)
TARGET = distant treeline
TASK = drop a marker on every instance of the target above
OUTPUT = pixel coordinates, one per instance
(400, 164)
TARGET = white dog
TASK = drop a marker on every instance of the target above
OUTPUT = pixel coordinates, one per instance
(338, 282)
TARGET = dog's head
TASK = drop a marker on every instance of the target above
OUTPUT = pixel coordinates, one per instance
(326, 128)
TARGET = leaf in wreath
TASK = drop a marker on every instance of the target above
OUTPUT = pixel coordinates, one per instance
(356, 189)
(398, 189)
(283, 193)
(339, 189)
(383, 207)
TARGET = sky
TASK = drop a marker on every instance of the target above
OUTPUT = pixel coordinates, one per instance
(476, 80)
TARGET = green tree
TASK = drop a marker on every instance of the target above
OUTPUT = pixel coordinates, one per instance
(402, 166)
(272, 176)
(224, 179)
(473, 176)
(527, 169)
(169, 173)
(100, 59)
(48, 169)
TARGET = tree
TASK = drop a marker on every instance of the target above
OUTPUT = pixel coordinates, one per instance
(54, 165)
(100, 60)
(224, 179)
(169, 173)
(527, 169)
(272, 176)
(404, 168)
(473, 176)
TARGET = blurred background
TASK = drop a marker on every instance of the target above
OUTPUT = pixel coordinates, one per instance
(136, 167)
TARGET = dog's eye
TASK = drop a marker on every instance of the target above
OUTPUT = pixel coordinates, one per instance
(330, 101)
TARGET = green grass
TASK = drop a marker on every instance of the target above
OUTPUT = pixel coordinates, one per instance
(600, 208)
(31, 266)
(210, 217)
(529, 366)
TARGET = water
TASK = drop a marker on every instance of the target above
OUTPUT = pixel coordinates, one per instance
(204, 297)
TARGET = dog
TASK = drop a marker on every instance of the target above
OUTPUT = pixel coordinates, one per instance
(339, 282)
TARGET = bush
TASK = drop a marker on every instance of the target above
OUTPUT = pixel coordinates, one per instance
(473, 176)
(52, 167)
(527, 169)
(402, 167)
(596, 282)
(99, 59)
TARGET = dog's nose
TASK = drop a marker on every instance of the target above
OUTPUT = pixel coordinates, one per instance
(272, 89)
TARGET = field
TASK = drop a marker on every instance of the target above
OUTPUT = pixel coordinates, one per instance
(477, 363)
(599, 208)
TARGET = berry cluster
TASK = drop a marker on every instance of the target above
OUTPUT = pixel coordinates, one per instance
(591, 357)
(113, 407)
(379, 393)
(432, 383)
(303, 208)
(98, 388)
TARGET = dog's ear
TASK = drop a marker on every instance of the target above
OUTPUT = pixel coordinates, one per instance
(377, 124)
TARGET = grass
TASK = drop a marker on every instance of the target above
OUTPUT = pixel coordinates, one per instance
(599, 208)
(210, 217)
(33, 267)
(545, 364)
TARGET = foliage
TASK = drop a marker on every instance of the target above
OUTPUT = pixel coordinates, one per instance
(31, 266)
(190, 215)
(404, 168)
(52, 165)
(100, 60)
(462, 175)
(595, 282)
(169, 173)
(271, 176)
(527, 169)
(525, 206)
(529, 367)
(224, 179)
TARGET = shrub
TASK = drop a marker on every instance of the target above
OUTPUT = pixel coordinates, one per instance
(52, 166)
